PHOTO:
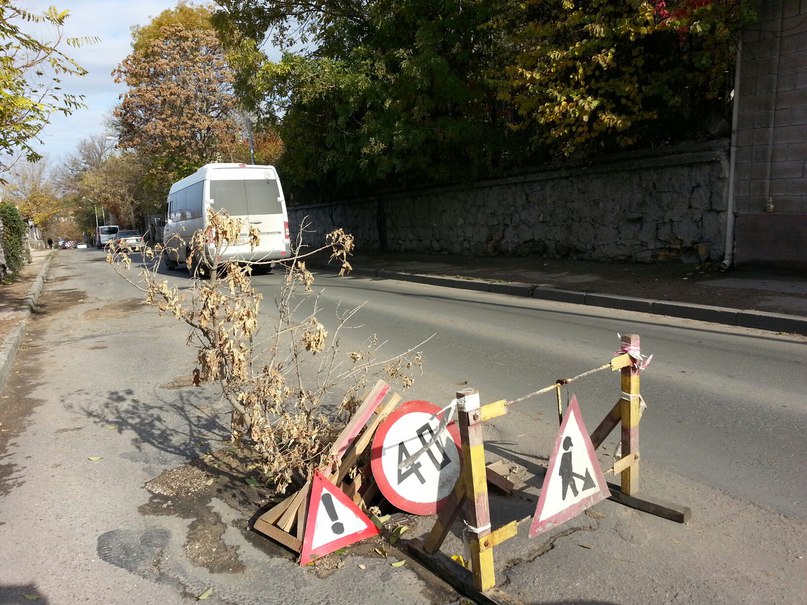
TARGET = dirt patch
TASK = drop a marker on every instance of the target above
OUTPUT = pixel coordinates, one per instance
(188, 491)
(117, 310)
(182, 382)
(53, 301)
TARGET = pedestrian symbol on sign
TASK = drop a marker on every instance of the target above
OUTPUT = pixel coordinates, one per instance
(574, 479)
(567, 473)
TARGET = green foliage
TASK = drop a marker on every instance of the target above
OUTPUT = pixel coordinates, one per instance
(396, 94)
(30, 76)
(602, 74)
(14, 232)
(403, 92)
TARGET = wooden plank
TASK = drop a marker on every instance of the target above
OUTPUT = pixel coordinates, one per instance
(446, 517)
(499, 535)
(621, 361)
(359, 419)
(361, 443)
(274, 513)
(660, 508)
(489, 411)
(278, 535)
(286, 522)
(631, 414)
(302, 511)
(476, 486)
(607, 425)
(456, 576)
(366, 495)
(352, 489)
(497, 480)
(623, 463)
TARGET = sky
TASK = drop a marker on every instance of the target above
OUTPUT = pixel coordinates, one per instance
(111, 21)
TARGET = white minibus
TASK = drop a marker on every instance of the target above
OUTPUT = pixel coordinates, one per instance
(248, 192)
(105, 234)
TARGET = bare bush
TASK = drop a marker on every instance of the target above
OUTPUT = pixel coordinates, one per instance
(290, 387)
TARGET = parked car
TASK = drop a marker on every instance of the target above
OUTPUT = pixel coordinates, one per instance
(128, 239)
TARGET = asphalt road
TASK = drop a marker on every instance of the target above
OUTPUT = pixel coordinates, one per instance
(727, 407)
(100, 403)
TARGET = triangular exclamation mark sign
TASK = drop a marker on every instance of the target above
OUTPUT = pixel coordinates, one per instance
(333, 521)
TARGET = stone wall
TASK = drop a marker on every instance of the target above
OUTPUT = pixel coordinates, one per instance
(772, 117)
(639, 207)
(771, 146)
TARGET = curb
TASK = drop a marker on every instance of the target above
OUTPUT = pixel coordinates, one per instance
(11, 345)
(743, 318)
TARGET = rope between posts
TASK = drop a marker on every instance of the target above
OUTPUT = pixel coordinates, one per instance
(448, 412)
(558, 383)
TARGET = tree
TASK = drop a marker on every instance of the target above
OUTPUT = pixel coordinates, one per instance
(12, 246)
(90, 153)
(604, 75)
(116, 184)
(30, 188)
(30, 73)
(179, 107)
(396, 92)
(290, 386)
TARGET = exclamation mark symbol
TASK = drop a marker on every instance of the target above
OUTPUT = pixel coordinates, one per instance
(327, 502)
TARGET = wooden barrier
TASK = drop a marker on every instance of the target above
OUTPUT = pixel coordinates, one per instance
(471, 491)
(286, 521)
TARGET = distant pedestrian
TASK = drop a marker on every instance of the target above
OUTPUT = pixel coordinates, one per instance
(50, 243)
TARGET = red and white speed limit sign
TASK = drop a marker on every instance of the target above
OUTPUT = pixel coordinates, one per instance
(423, 485)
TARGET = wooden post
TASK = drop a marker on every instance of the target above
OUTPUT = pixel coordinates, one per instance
(630, 413)
(476, 489)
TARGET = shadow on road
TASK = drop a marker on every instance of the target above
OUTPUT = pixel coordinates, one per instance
(21, 593)
(184, 424)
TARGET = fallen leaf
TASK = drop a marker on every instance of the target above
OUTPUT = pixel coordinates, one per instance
(381, 551)
(379, 520)
(205, 595)
(95, 458)
(253, 482)
(397, 533)
(31, 597)
(209, 482)
(362, 566)
(398, 564)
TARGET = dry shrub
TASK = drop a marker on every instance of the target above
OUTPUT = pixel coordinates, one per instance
(291, 391)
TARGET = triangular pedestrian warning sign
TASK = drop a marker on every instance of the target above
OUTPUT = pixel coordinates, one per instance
(333, 521)
(574, 479)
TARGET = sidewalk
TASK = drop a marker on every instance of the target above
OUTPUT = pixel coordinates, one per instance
(742, 297)
(18, 298)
